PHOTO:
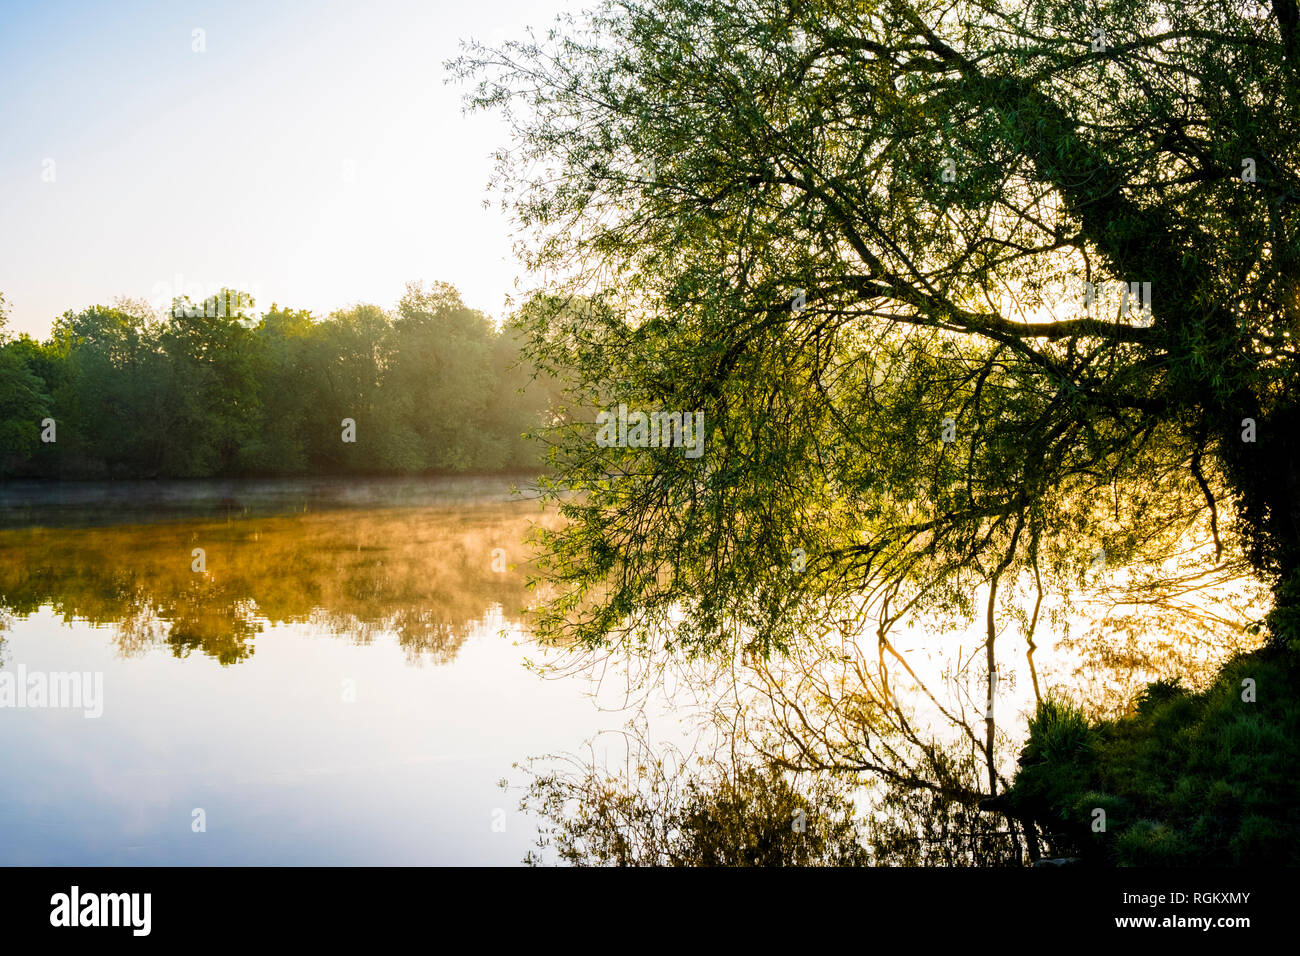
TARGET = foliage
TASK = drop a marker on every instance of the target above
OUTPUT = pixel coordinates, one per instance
(217, 391)
(1206, 778)
(746, 816)
(942, 826)
(877, 246)
(934, 183)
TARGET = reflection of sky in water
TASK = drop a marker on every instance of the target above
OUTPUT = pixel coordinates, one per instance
(225, 690)
(287, 772)
(402, 601)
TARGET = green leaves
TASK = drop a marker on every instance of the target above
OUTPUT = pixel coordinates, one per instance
(807, 148)
(210, 391)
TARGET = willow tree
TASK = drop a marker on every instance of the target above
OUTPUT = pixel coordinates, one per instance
(972, 297)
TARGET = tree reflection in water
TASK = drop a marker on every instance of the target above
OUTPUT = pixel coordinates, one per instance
(425, 574)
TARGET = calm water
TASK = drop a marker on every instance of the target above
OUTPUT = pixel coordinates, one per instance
(317, 672)
(339, 681)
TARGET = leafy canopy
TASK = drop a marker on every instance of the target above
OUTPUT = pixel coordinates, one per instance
(951, 407)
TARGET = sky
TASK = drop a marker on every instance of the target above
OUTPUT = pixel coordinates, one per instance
(310, 153)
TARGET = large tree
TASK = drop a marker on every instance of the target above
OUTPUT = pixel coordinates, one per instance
(898, 254)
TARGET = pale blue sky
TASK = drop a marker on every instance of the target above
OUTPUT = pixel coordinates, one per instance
(312, 154)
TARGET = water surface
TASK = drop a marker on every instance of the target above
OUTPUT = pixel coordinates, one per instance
(339, 680)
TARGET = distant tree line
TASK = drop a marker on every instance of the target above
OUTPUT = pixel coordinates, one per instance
(213, 389)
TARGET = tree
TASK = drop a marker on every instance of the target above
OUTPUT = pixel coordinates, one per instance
(969, 295)
(23, 401)
(349, 353)
(23, 405)
(523, 399)
(288, 391)
(214, 389)
(652, 815)
(442, 374)
(111, 404)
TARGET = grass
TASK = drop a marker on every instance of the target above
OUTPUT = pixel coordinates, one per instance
(1184, 778)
